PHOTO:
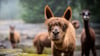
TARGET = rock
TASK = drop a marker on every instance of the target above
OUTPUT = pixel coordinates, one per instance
(2, 46)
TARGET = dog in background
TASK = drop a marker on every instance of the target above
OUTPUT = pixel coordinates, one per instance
(14, 36)
(40, 41)
(87, 35)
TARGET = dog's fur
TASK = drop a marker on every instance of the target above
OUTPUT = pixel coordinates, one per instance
(87, 36)
(61, 32)
(76, 24)
(40, 41)
(14, 36)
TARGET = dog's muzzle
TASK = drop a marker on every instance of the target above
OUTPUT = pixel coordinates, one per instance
(55, 32)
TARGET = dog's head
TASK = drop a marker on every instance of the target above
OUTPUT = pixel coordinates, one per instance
(85, 14)
(57, 26)
(12, 28)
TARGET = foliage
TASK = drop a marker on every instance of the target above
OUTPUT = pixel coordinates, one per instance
(33, 10)
(94, 7)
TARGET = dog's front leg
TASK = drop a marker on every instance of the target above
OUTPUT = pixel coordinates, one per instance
(56, 52)
(70, 53)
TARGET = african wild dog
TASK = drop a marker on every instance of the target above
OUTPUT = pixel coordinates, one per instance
(87, 35)
(14, 36)
(40, 41)
(61, 32)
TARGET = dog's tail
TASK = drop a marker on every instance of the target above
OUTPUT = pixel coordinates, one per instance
(76, 24)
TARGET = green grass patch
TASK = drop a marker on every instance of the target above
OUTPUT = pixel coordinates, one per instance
(27, 54)
(47, 51)
(10, 50)
(32, 49)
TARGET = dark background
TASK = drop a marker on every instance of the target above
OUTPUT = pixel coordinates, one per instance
(32, 11)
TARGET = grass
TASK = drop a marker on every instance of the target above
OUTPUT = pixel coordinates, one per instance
(23, 50)
(47, 51)
(10, 50)
(27, 54)
(31, 49)
(27, 49)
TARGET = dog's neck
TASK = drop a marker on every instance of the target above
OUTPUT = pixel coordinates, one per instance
(86, 27)
(59, 45)
(12, 35)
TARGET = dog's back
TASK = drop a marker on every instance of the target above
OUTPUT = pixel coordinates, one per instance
(42, 38)
(40, 41)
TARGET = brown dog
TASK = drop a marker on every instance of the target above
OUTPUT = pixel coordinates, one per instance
(40, 41)
(61, 32)
(87, 35)
(14, 36)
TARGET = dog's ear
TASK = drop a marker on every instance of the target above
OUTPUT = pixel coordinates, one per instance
(68, 13)
(48, 12)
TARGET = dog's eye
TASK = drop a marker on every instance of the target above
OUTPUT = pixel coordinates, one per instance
(64, 27)
(49, 27)
(83, 14)
(59, 24)
(56, 24)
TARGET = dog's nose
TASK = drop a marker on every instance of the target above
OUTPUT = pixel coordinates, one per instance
(55, 32)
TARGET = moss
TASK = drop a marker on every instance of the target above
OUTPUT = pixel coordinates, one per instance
(3, 52)
(32, 49)
(47, 51)
(10, 50)
(27, 49)
(27, 54)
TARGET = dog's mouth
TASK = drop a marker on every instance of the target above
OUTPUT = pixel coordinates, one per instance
(55, 38)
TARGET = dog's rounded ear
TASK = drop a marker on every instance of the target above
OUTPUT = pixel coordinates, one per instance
(68, 13)
(48, 12)
(76, 24)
